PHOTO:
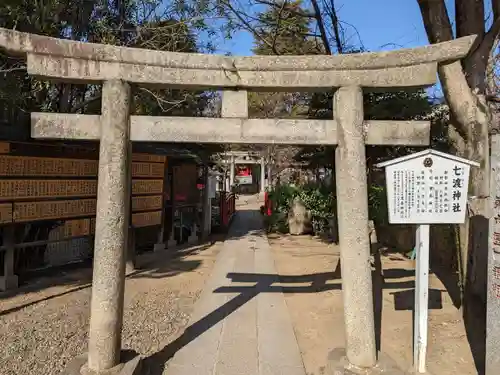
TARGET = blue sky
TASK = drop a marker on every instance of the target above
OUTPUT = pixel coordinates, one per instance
(381, 24)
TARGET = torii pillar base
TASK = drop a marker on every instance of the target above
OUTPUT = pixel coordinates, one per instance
(339, 365)
(130, 364)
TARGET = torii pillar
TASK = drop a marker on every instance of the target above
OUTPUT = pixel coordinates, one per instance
(115, 66)
(352, 206)
(108, 281)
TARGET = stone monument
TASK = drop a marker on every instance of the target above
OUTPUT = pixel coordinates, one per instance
(118, 67)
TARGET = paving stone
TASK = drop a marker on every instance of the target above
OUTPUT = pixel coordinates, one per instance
(249, 331)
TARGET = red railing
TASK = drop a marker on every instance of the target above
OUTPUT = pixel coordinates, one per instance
(227, 208)
(268, 204)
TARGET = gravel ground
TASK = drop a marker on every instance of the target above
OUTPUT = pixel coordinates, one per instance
(318, 319)
(43, 336)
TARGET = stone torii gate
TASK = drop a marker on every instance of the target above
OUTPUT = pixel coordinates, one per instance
(244, 157)
(118, 67)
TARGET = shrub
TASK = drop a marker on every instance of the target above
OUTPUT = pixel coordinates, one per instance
(320, 201)
(317, 199)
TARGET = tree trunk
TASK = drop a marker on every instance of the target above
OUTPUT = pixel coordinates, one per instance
(471, 115)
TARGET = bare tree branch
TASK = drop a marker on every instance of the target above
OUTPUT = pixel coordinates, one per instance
(162, 101)
(335, 23)
(10, 70)
(248, 26)
(321, 26)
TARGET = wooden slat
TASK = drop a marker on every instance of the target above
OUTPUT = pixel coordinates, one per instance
(53, 210)
(143, 187)
(151, 170)
(4, 147)
(149, 158)
(146, 219)
(33, 189)
(147, 203)
(36, 166)
(71, 228)
(26, 189)
(5, 213)
(59, 167)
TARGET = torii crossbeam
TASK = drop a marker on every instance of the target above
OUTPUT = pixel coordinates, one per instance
(117, 67)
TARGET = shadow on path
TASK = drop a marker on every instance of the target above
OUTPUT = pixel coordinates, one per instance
(271, 283)
(79, 277)
(264, 283)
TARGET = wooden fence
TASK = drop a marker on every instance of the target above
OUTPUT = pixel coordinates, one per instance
(59, 194)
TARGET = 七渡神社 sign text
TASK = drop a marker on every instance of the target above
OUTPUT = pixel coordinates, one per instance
(428, 187)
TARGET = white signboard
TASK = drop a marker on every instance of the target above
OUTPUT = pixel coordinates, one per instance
(428, 187)
(244, 180)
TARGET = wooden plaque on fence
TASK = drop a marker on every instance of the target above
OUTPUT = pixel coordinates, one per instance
(143, 187)
(147, 203)
(33, 189)
(53, 210)
(149, 158)
(4, 147)
(5, 213)
(36, 166)
(146, 219)
(72, 228)
(148, 170)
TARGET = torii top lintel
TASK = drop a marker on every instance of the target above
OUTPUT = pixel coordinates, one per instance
(88, 62)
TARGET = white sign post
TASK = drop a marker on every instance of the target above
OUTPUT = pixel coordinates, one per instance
(428, 187)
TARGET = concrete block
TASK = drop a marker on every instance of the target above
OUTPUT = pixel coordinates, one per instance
(339, 365)
(9, 282)
(171, 243)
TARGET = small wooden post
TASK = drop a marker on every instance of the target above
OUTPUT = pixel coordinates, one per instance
(9, 280)
(160, 243)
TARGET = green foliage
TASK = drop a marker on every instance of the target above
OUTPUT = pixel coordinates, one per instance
(377, 204)
(153, 24)
(281, 196)
(284, 30)
(320, 201)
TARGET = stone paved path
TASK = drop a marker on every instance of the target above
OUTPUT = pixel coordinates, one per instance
(240, 324)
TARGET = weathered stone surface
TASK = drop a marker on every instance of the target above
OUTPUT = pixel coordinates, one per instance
(372, 232)
(111, 229)
(23, 43)
(492, 363)
(339, 365)
(231, 130)
(397, 133)
(131, 364)
(234, 104)
(84, 62)
(91, 71)
(68, 126)
(299, 218)
(352, 206)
